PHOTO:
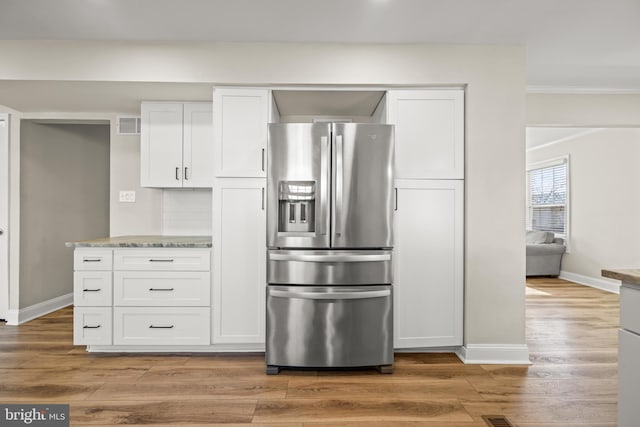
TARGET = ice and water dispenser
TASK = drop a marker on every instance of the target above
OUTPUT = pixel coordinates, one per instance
(296, 207)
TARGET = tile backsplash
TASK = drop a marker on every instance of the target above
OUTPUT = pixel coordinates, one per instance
(186, 212)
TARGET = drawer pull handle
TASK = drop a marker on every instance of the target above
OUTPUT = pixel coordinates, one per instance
(91, 290)
(91, 327)
(160, 260)
(92, 260)
(160, 327)
(160, 289)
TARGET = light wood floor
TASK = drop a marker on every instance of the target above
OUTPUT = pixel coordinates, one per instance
(571, 332)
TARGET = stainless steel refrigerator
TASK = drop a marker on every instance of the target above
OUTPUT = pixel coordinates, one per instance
(330, 201)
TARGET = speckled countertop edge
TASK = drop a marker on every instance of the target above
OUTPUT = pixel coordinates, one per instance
(144, 242)
(628, 275)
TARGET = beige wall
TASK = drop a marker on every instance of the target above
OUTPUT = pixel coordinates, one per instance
(145, 215)
(595, 110)
(604, 199)
(495, 117)
(64, 195)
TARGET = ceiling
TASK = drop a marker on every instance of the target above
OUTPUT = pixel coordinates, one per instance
(571, 44)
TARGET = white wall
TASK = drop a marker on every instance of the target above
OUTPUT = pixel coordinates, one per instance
(604, 200)
(495, 117)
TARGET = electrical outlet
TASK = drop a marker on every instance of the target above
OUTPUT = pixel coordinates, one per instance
(128, 196)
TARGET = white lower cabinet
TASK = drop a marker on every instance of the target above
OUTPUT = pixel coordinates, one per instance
(92, 296)
(92, 326)
(629, 356)
(239, 261)
(428, 263)
(142, 296)
(162, 288)
(161, 325)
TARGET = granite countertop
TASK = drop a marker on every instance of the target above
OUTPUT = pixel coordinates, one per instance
(144, 242)
(630, 275)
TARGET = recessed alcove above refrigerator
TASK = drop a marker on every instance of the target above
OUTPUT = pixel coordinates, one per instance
(308, 106)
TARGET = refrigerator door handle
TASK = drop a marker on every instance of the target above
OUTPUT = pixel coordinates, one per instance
(321, 215)
(330, 295)
(339, 183)
(331, 258)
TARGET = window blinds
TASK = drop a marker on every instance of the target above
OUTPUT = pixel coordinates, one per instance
(547, 197)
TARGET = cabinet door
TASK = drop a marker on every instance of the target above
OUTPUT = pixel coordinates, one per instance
(428, 267)
(429, 133)
(240, 118)
(197, 165)
(239, 261)
(161, 145)
(628, 378)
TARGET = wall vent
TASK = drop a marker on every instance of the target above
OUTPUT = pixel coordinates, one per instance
(128, 125)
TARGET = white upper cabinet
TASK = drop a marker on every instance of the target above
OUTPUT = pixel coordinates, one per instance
(429, 133)
(176, 143)
(240, 118)
(197, 147)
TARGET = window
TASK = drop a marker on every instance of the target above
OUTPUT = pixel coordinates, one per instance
(548, 196)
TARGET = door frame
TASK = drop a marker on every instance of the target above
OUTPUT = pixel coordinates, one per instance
(4, 215)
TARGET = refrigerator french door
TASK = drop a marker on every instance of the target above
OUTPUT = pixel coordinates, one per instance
(330, 203)
(330, 185)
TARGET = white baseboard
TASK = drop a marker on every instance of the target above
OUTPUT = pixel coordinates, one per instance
(17, 317)
(494, 354)
(213, 348)
(602, 283)
(12, 317)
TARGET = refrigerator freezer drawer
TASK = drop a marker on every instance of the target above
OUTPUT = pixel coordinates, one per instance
(329, 267)
(314, 326)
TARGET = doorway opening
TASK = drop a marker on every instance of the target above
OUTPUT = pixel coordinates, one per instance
(64, 196)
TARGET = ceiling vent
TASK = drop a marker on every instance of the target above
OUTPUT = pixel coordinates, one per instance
(128, 125)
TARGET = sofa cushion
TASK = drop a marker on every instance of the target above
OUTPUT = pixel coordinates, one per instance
(535, 237)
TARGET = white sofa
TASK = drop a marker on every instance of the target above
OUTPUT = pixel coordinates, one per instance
(544, 253)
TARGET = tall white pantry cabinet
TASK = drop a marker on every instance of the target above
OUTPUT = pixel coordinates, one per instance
(429, 217)
(240, 118)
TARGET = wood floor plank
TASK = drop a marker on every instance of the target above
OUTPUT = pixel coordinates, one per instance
(346, 388)
(337, 410)
(514, 389)
(182, 412)
(76, 375)
(45, 392)
(546, 410)
(218, 388)
(399, 424)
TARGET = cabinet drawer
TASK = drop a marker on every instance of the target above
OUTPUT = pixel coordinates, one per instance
(92, 259)
(162, 259)
(92, 326)
(629, 313)
(161, 325)
(92, 288)
(162, 288)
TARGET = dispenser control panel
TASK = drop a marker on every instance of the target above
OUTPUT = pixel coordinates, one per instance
(296, 207)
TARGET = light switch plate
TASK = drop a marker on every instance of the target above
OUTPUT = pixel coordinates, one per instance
(128, 196)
